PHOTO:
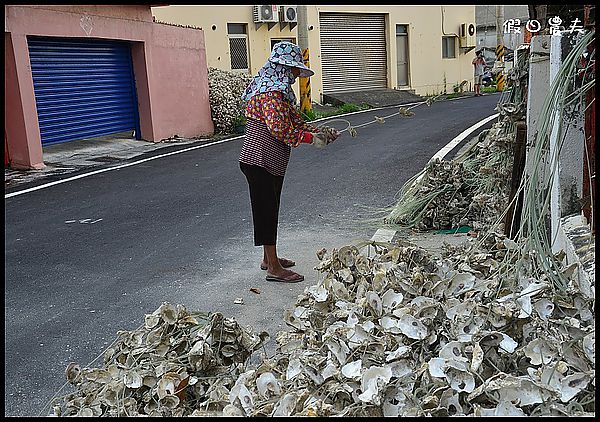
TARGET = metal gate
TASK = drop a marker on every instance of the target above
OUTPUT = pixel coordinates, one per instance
(83, 88)
(353, 52)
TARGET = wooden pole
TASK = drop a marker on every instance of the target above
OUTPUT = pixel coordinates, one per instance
(512, 220)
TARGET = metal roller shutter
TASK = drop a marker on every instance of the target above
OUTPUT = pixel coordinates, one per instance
(353, 52)
(83, 88)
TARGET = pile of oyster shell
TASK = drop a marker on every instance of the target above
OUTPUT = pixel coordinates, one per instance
(175, 362)
(472, 191)
(396, 333)
(404, 334)
(225, 89)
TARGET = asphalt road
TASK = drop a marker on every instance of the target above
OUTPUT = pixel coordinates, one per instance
(179, 229)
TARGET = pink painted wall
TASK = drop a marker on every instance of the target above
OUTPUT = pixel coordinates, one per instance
(23, 141)
(180, 92)
(169, 65)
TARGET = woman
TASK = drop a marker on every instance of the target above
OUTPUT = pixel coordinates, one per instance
(478, 71)
(273, 127)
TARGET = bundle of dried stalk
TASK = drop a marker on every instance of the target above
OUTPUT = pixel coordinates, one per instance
(470, 190)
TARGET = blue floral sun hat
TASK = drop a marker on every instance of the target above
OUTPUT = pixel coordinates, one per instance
(289, 54)
(276, 74)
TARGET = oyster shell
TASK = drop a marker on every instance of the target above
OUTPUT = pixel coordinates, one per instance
(268, 385)
(352, 369)
(412, 327)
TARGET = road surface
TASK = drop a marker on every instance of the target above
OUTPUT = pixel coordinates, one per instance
(179, 229)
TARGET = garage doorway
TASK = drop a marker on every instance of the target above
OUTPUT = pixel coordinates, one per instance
(84, 88)
(402, 55)
(353, 52)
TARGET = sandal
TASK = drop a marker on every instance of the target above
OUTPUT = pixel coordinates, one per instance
(285, 263)
(291, 278)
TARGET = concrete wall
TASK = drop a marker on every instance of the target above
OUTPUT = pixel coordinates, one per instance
(23, 142)
(133, 13)
(169, 66)
(427, 68)
(485, 17)
(538, 85)
(567, 184)
(179, 83)
(570, 172)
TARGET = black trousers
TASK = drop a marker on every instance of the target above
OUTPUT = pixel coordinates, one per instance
(265, 193)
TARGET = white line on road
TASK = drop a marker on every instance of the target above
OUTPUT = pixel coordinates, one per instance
(444, 151)
(81, 176)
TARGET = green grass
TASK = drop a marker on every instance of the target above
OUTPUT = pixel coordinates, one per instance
(313, 115)
(351, 108)
(489, 89)
(239, 120)
(344, 108)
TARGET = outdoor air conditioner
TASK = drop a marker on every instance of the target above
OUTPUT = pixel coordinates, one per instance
(467, 35)
(288, 14)
(265, 13)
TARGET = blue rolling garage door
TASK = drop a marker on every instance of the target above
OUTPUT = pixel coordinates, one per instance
(83, 88)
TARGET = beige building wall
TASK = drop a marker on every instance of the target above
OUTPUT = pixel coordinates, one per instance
(429, 73)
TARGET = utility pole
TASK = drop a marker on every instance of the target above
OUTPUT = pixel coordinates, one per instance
(305, 97)
(500, 46)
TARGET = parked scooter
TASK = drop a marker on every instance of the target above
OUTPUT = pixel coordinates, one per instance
(488, 78)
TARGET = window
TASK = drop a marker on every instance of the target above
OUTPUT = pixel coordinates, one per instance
(401, 30)
(448, 47)
(276, 40)
(238, 46)
(236, 28)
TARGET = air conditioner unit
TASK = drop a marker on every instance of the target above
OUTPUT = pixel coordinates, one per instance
(288, 14)
(467, 35)
(265, 13)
